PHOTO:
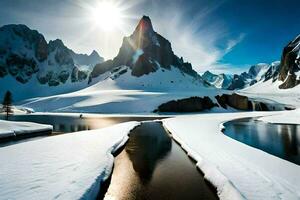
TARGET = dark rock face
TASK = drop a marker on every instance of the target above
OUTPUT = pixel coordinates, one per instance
(272, 72)
(192, 104)
(145, 51)
(78, 75)
(290, 64)
(238, 82)
(240, 102)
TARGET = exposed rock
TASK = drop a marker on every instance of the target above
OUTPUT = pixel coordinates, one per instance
(192, 104)
(240, 102)
(290, 65)
(235, 101)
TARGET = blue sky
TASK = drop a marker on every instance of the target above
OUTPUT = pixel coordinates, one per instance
(222, 36)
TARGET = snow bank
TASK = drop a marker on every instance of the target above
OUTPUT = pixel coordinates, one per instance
(285, 117)
(237, 170)
(12, 129)
(70, 166)
(270, 90)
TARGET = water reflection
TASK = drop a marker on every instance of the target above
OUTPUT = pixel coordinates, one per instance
(67, 124)
(155, 146)
(153, 166)
(281, 140)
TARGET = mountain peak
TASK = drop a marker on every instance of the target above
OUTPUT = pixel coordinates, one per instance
(144, 26)
(94, 53)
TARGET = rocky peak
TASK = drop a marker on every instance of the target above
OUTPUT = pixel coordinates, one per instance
(94, 54)
(144, 27)
(145, 51)
(56, 44)
(144, 35)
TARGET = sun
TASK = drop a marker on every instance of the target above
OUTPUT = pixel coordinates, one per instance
(107, 15)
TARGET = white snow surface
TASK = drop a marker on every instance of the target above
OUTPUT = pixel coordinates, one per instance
(70, 166)
(237, 170)
(126, 93)
(11, 129)
(269, 90)
(291, 117)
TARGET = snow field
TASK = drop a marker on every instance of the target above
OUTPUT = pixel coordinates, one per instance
(69, 166)
(12, 129)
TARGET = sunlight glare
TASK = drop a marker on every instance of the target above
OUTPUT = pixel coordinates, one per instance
(107, 15)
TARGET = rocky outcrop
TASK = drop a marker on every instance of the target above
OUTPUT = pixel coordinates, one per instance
(235, 101)
(240, 102)
(289, 71)
(192, 104)
(25, 53)
(145, 51)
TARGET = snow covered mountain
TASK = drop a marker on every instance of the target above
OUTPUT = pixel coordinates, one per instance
(218, 80)
(146, 60)
(25, 56)
(256, 73)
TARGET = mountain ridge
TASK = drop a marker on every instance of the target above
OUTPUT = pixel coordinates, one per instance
(25, 54)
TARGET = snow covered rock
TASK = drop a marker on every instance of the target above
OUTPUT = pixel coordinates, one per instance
(245, 79)
(218, 80)
(239, 81)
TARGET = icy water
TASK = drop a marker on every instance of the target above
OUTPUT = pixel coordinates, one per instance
(68, 124)
(153, 166)
(281, 140)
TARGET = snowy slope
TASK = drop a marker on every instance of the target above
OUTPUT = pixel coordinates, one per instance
(11, 129)
(125, 94)
(237, 170)
(70, 166)
(270, 90)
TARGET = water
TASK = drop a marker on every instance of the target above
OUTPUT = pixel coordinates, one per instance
(67, 124)
(281, 140)
(153, 166)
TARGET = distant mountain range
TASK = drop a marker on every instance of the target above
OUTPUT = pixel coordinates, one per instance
(286, 72)
(256, 73)
(25, 54)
